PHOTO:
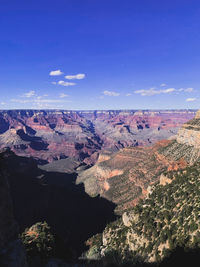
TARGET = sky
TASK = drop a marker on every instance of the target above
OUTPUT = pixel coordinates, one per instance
(99, 54)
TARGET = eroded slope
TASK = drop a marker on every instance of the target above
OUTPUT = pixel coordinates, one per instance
(126, 176)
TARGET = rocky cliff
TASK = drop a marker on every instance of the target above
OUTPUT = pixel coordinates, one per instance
(50, 135)
(12, 253)
(187, 143)
(127, 175)
(53, 197)
(168, 217)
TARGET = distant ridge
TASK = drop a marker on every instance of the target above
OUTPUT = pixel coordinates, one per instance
(49, 135)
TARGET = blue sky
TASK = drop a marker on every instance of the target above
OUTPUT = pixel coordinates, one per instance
(100, 54)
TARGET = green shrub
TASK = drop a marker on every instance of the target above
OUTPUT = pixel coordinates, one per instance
(38, 241)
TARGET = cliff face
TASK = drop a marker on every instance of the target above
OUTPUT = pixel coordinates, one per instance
(126, 176)
(169, 215)
(187, 143)
(167, 219)
(12, 253)
(50, 135)
(190, 133)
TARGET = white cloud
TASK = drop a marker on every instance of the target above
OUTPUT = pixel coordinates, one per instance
(29, 94)
(163, 84)
(128, 94)
(79, 76)
(153, 91)
(110, 93)
(54, 82)
(46, 105)
(2, 103)
(166, 91)
(37, 100)
(55, 73)
(147, 92)
(48, 101)
(41, 101)
(63, 83)
(190, 99)
(188, 90)
(62, 95)
(22, 101)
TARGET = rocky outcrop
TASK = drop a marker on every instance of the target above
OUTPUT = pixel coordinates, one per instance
(186, 146)
(158, 225)
(190, 132)
(164, 180)
(124, 177)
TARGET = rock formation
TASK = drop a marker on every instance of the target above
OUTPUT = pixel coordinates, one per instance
(168, 218)
(187, 143)
(52, 135)
(53, 197)
(124, 177)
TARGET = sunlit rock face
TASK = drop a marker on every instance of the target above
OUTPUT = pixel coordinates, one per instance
(52, 135)
(166, 176)
(187, 143)
(127, 175)
(190, 132)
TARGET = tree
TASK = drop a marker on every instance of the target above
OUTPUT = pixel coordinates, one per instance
(38, 241)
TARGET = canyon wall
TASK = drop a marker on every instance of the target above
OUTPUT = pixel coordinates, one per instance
(128, 175)
(187, 143)
(164, 225)
(52, 135)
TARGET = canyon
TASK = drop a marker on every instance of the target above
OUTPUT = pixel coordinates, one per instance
(166, 217)
(128, 175)
(49, 135)
(88, 166)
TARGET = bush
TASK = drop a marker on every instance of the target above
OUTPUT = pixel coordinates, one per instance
(38, 241)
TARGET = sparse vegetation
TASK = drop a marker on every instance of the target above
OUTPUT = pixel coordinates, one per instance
(167, 219)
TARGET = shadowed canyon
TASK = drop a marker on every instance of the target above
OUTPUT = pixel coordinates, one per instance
(79, 171)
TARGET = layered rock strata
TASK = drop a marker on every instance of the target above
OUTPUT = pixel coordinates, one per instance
(168, 218)
(125, 176)
(52, 135)
(128, 175)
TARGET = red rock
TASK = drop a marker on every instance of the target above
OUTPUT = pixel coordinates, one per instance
(50, 135)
